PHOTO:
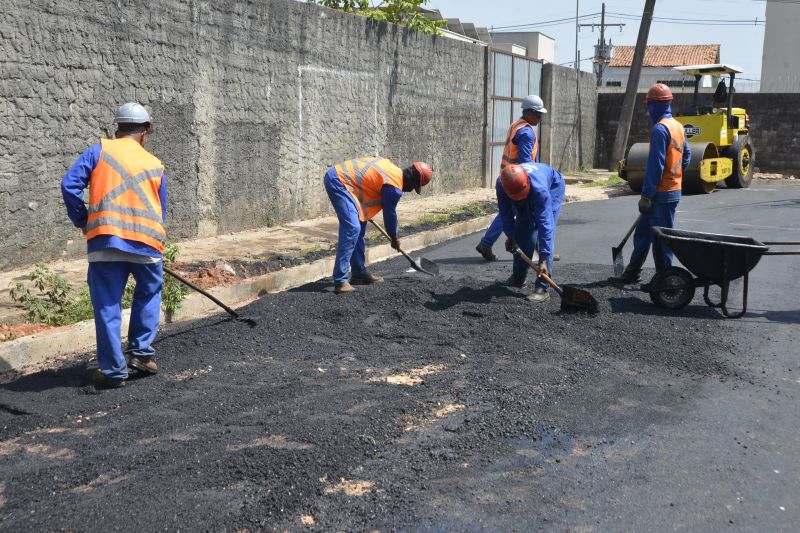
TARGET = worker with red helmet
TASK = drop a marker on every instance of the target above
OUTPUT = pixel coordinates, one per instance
(521, 146)
(529, 199)
(359, 189)
(661, 192)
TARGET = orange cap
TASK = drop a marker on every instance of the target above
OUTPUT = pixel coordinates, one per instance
(515, 182)
(658, 93)
(425, 174)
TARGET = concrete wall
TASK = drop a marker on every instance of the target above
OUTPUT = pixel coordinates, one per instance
(780, 62)
(251, 101)
(773, 132)
(562, 123)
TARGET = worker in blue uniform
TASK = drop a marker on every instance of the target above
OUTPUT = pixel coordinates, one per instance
(123, 225)
(521, 146)
(529, 200)
(667, 160)
(359, 189)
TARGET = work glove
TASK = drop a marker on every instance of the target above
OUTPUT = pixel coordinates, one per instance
(645, 205)
(396, 244)
(511, 245)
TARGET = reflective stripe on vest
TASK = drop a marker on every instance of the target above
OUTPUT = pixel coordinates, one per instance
(672, 177)
(123, 194)
(363, 178)
(511, 150)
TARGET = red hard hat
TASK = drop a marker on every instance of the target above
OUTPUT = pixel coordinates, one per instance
(515, 182)
(425, 174)
(658, 93)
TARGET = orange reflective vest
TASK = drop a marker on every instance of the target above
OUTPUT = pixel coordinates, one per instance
(364, 177)
(672, 177)
(511, 150)
(123, 194)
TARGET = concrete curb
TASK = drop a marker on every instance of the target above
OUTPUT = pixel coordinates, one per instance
(38, 348)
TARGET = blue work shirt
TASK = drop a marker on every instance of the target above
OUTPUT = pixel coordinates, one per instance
(390, 195)
(659, 140)
(525, 139)
(546, 194)
(72, 185)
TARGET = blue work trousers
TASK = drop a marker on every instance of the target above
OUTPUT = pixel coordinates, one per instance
(106, 284)
(662, 214)
(350, 248)
(493, 233)
(526, 235)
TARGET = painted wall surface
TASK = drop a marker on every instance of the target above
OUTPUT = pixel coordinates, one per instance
(773, 132)
(251, 101)
(780, 61)
(562, 125)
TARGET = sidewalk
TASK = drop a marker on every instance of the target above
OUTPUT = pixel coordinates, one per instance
(228, 260)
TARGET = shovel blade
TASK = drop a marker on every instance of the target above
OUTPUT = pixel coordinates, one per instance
(428, 266)
(575, 299)
(619, 261)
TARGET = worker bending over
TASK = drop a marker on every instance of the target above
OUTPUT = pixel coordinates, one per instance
(668, 158)
(529, 199)
(521, 146)
(124, 235)
(359, 189)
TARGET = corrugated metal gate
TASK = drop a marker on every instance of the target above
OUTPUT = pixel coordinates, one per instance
(511, 78)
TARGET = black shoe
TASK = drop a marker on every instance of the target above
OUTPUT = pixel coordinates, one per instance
(539, 296)
(486, 252)
(627, 278)
(515, 281)
(106, 382)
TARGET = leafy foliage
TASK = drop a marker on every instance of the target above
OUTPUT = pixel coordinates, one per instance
(395, 11)
(57, 303)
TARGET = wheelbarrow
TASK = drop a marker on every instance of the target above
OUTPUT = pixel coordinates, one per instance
(711, 259)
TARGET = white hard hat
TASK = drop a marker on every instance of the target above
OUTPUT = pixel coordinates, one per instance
(132, 113)
(534, 103)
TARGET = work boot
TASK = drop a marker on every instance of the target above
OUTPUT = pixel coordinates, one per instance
(106, 382)
(556, 257)
(627, 278)
(539, 296)
(515, 281)
(343, 287)
(366, 279)
(143, 364)
(486, 252)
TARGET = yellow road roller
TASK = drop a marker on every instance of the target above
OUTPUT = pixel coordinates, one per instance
(718, 135)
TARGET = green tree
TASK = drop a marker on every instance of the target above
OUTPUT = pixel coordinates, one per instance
(402, 12)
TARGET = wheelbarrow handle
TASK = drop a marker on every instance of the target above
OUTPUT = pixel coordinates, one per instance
(779, 243)
(787, 252)
(535, 268)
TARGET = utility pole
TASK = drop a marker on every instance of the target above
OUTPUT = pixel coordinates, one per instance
(601, 51)
(578, 85)
(625, 116)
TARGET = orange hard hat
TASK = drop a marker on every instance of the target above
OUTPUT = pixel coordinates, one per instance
(425, 174)
(658, 93)
(515, 182)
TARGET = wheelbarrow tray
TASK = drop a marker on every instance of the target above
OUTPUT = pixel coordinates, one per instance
(714, 258)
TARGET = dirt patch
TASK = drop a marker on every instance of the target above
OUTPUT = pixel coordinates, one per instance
(411, 378)
(206, 277)
(9, 332)
(273, 441)
(350, 488)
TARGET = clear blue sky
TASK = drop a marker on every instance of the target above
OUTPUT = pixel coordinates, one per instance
(741, 44)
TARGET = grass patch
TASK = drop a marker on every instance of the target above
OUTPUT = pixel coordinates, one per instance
(609, 181)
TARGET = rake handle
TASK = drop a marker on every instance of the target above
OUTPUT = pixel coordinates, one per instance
(547, 278)
(207, 294)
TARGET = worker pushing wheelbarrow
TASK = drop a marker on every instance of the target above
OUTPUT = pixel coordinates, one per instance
(711, 259)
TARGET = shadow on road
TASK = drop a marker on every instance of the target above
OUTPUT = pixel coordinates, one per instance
(470, 295)
(74, 376)
(637, 306)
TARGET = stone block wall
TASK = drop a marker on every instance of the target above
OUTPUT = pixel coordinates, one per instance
(251, 100)
(563, 123)
(773, 132)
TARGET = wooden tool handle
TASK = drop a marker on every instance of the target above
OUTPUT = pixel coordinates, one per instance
(201, 291)
(630, 231)
(383, 231)
(536, 269)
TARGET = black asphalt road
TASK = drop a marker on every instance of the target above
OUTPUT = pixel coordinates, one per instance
(446, 404)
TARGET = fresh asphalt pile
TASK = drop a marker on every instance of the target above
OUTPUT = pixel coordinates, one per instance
(417, 403)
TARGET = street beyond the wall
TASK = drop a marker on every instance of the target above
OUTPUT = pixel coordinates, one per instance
(447, 403)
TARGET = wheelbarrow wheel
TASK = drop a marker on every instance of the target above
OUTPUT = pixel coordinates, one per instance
(674, 288)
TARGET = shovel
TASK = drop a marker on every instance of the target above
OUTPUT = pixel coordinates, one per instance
(616, 253)
(426, 266)
(249, 321)
(572, 298)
